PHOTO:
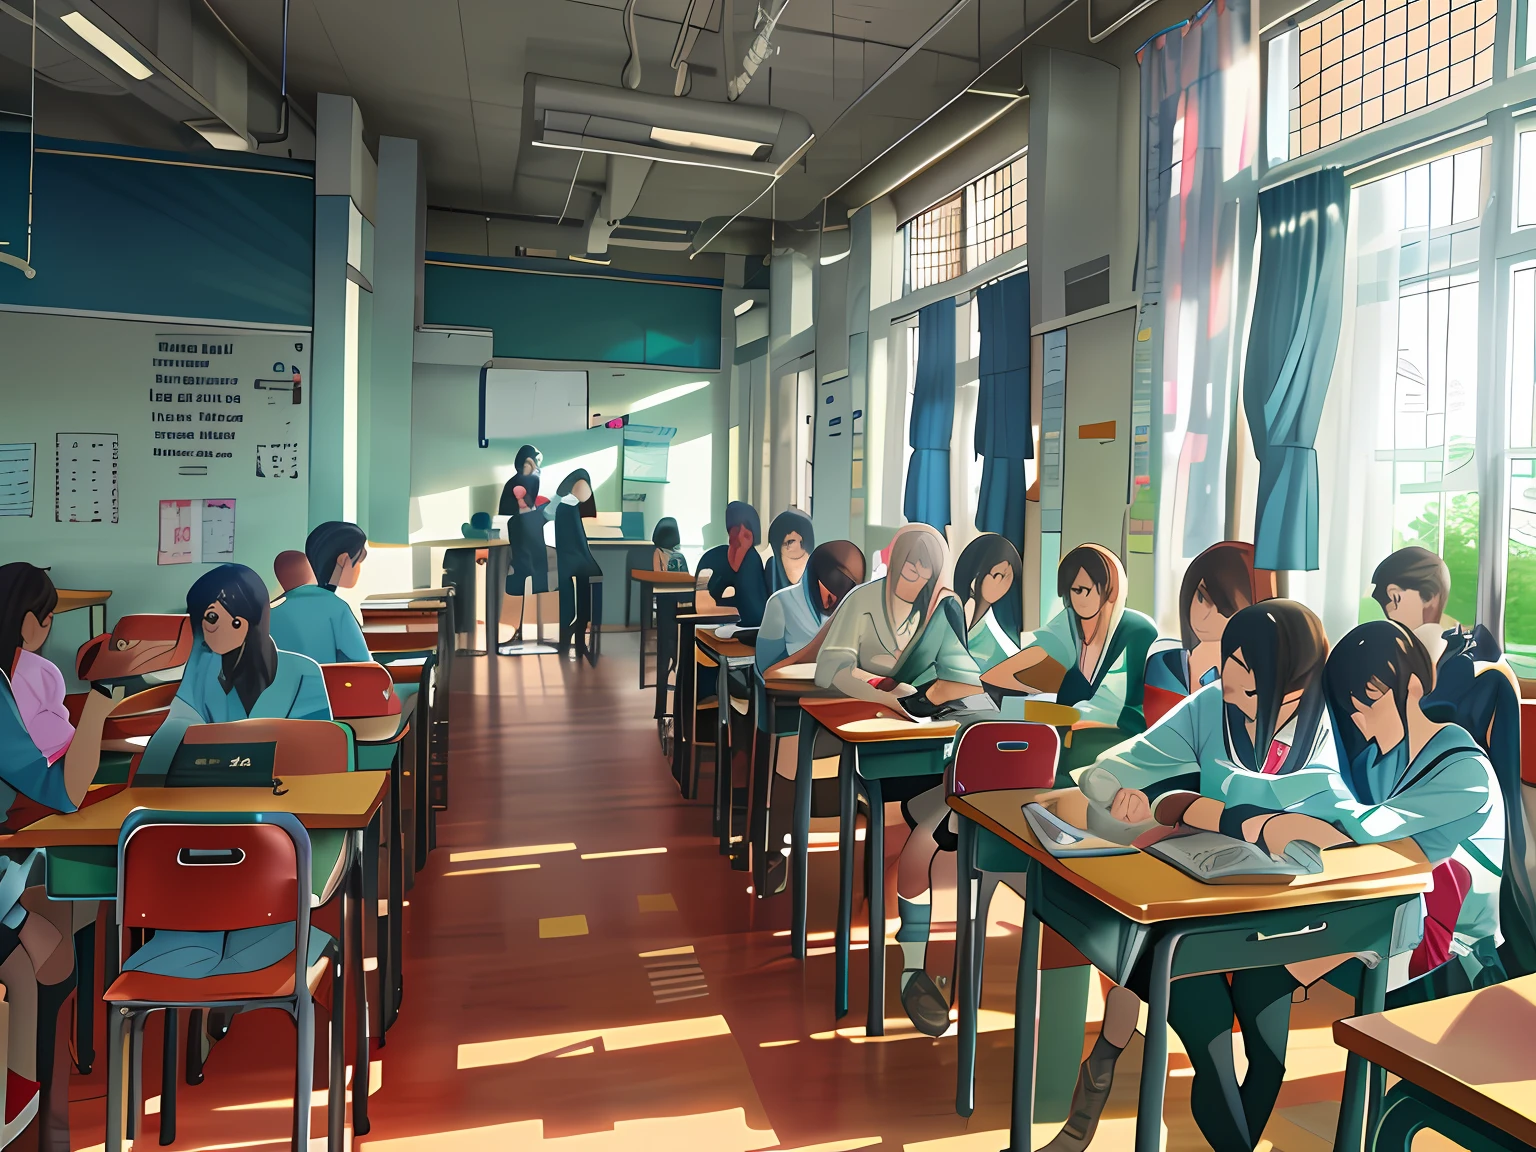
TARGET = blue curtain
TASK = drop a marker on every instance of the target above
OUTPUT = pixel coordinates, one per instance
(933, 417)
(1004, 439)
(1297, 308)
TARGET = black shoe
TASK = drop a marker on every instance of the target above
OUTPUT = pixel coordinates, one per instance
(925, 1004)
(1094, 1080)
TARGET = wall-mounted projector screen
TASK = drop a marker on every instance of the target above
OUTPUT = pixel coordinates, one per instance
(526, 403)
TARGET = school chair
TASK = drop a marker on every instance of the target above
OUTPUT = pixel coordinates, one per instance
(362, 697)
(213, 872)
(993, 755)
(707, 707)
(412, 661)
(149, 647)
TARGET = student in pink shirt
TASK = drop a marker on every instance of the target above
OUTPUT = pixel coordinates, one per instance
(27, 601)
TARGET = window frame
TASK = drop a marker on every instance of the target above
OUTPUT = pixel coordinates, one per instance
(965, 197)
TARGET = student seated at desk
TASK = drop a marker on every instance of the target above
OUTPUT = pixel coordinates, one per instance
(668, 557)
(1257, 741)
(908, 630)
(312, 619)
(989, 580)
(1092, 655)
(1218, 583)
(731, 575)
(235, 671)
(36, 934)
(792, 540)
(27, 601)
(795, 619)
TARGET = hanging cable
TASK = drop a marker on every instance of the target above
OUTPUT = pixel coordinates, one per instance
(757, 53)
(579, 157)
(630, 77)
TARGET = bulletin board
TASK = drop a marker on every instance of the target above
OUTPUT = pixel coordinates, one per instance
(120, 432)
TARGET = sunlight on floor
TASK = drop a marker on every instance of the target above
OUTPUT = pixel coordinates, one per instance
(717, 1131)
(514, 1051)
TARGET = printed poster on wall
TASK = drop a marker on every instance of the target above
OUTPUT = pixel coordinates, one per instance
(231, 404)
(85, 489)
(18, 468)
(196, 532)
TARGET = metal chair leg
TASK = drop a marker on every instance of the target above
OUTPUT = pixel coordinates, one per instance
(85, 999)
(119, 1027)
(168, 1079)
(874, 853)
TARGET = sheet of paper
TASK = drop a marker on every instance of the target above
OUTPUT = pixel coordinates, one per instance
(884, 724)
(218, 531)
(175, 532)
(196, 531)
(18, 468)
(86, 491)
(797, 672)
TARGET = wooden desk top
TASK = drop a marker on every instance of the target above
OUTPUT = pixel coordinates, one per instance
(650, 576)
(732, 650)
(330, 800)
(1146, 890)
(796, 680)
(405, 640)
(72, 598)
(701, 615)
(414, 598)
(460, 542)
(1472, 1050)
(864, 722)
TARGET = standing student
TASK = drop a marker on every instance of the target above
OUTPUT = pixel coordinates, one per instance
(1093, 655)
(792, 539)
(1256, 742)
(900, 641)
(528, 512)
(731, 575)
(575, 564)
(312, 620)
(235, 671)
(989, 582)
(27, 601)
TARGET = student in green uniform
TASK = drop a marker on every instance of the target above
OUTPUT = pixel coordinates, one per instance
(989, 581)
(312, 619)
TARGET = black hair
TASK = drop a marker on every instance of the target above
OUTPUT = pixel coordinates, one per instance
(791, 520)
(589, 505)
(738, 512)
(326, 543)
(666, 534)
(1416, 570)
(1285, 648)
(1083, 558)
(24, 588)
(527, 452)
(530, 486)
(250, 668)
(978, 559)
(838, 566)
(1379, 653)
(1226, 570)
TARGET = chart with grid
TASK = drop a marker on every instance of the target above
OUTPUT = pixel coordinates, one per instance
(1371, 61)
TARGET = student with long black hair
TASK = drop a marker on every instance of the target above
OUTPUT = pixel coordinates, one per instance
(792, 540)
(1255, 743)
(235, 671)
(527, 514)
(989, 579)
(731, 575)
(312, 619)
(575, 564)
(27, 601)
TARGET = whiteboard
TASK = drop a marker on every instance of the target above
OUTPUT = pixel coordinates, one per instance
(526, 403)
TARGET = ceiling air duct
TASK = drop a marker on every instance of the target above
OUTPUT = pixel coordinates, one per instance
(584, 117)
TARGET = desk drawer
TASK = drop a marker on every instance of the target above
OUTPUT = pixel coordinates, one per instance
(1289, 935)
(906, 758)
(82, 873)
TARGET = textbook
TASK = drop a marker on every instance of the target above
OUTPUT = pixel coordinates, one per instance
(1061, 839)
(1213, 858)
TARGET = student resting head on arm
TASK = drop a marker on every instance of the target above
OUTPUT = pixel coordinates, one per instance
(312, 619)
(795, 619)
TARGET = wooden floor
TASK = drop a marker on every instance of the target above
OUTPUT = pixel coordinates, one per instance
(584, 972)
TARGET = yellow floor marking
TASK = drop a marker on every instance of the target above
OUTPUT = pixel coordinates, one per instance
(489, 871)
(551, 927)
(628, 852)
(503, 853)
(658, 902)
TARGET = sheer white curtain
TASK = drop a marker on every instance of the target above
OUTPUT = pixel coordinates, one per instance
(1355, 512)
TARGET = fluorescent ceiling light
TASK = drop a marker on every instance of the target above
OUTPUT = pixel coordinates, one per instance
(744, 307)
(843, 255)
(219, 135)
(706, 142)
(107, 46)
(660, 398)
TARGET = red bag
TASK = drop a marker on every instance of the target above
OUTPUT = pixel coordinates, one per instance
(1449, 883)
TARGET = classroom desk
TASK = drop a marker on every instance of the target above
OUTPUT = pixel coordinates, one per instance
(878, 744)
(71, 599)
(1118, 910)
(1467, 1064)
(612, 556)
(682, 717)
(343, 801)
(496, 568)
(653, 584)
(430, 745)
(731, 655)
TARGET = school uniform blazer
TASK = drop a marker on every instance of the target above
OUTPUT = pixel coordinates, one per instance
(297, 692)
(317, 623)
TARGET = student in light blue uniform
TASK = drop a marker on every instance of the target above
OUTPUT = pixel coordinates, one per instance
(312, 619)
(792, 540)
(989, 580)
(235, 671)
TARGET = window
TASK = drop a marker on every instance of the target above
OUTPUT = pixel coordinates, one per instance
(1368, 62)
(979, 223)
(1525, 179)
(1520, 547)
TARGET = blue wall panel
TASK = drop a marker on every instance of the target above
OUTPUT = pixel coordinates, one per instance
(125, 230)
(543, 316)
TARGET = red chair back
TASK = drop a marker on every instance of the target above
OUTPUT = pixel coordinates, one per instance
(136, 646)
(210, 877)
(140, 714)
(303, 747)
(1528, 741)
(996, 754)
(360, 690)
(1158, 702)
